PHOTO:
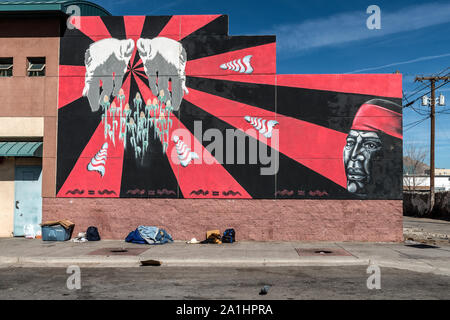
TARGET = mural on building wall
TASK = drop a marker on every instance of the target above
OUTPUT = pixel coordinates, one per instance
(174, 107)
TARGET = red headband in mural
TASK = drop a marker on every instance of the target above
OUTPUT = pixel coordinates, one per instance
(373, 117)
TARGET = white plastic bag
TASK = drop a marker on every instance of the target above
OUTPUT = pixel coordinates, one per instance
(29, 232)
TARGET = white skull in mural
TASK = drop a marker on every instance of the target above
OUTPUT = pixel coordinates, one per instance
(103, 59)
(164, 60)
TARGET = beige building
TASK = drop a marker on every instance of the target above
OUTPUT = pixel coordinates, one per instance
(442, 172)
(422, 182)
(29, 59)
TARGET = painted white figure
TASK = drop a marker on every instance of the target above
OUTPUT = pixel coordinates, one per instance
(240, 65)
(106, 60)
(164, 59)
(185, 155)
(98, 162)
(263, 126)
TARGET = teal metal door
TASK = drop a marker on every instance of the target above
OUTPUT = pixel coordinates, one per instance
(28, 199)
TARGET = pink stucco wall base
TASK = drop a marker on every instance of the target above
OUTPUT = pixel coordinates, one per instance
(261, 220)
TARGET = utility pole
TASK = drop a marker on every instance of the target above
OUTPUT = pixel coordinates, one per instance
(432, 104)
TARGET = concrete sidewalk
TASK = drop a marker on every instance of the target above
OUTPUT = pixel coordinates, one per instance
(21, 252)
(411, 255)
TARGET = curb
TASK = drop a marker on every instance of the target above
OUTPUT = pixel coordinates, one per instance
(261, 262)
(122, 262)
(133, 262)
(414, 268)
(36, 262)
(9, 260)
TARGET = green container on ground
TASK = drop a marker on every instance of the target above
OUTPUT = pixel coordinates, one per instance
(56, 233)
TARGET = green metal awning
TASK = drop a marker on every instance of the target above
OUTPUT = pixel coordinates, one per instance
(20, 149)
(87, 8)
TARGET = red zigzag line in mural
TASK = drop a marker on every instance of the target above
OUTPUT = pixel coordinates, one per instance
(313, 146)
(196, 176)
(81, 178)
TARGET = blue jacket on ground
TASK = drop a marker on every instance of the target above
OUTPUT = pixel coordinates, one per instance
(135, 237)
(150, 235)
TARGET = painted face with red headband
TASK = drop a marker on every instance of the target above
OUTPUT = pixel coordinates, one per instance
(374, 120)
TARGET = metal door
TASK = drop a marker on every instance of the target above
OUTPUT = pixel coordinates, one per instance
(28, 199)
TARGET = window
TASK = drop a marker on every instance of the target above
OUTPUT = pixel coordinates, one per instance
(6, 67)
(36, 67)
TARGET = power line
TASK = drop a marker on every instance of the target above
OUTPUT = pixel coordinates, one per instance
(419, 112)
(412, 102)
(417, 89)
(423, 86)
(415, 124)
(443, 132)
(403, 93)
(445, 111)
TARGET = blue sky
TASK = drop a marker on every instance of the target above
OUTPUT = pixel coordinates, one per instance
(315, 37)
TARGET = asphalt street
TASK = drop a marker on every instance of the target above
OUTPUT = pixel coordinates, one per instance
(161, 283)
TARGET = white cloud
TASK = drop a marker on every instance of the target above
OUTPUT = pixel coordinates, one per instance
(351, 26)
(403, 62)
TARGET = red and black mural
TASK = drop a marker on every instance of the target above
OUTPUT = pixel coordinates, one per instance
(174, 107)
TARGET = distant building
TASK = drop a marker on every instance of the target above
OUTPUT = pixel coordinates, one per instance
(422, 182)
(441, 172)
(416, 176)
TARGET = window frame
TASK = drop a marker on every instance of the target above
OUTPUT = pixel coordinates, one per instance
(9, 71)
(36, 61)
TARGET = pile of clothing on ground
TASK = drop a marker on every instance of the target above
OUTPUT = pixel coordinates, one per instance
(91, 234)
(149, 235)
(213, 237)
